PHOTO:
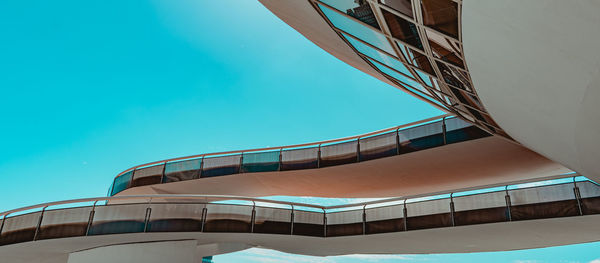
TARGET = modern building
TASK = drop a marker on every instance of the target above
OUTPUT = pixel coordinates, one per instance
(506, 168)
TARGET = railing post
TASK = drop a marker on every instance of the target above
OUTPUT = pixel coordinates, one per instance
(253, 217)
(2, 225)
(364, 220)
(319, 157)
(162, 176)
(130, 184)
(280, 159)
(508, 204)
(292, 221)
(444, 130)
(452, 209)
(241, 163)
(358, 150)
(91, 218)
(201, 170)
(577, 196)
(324, 223)
(204, 212)
(39, 224)
(398, 141)
(405, 214)
(147, 216)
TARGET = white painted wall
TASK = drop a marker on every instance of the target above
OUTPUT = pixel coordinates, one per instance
(536, 66)
(151, 252)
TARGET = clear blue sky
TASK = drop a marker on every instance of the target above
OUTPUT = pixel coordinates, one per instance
(89, 88)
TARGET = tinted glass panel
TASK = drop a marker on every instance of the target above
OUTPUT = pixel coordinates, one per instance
(340, 153)
(273, 220)
(421, 137)
(454, 77)
(147, 175)
(175, 218)
(377, 55)
(228, 218)
(182, 170)
(69, 222)
(308, 223)
(358, 30)
(260, 162)
(19, 228)
(345, 223)
(402, 6)
(358, 9)
(403, 30)
(445, 49)
(416, 58)
(378, 146)
(218, 166)
(458, 130)
(305, 158)
(385, 219)
(441, 15)
(394, 74)
(122, 182)
(116, 219)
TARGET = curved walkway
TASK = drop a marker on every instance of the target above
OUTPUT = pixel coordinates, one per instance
(236, 219)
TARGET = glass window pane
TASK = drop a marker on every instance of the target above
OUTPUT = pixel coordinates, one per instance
(426, 78)
(345, 223)
(182, 170)
(454, 77)
(445, 49)
(339, 153)
(228, 218)
(122, 182)
(19, 228)
(373, 53)
(356, 29)
(421, 137)
(175, 218)
(147, 175)
(260, 162)
(116, 219)
(402, 6)
(441, 15)
(305, 158)
(61, 223)
(358, 9)
(273, 220)
(416, 59)
(218, 166)
(403, 30)
(378, 146)
(400, 77)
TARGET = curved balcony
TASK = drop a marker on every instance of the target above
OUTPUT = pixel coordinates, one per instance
(412, 137)
(531, 214)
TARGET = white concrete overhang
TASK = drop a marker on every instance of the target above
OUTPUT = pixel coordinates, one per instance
(481, 162)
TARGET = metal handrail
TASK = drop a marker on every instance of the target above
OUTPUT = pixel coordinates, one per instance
(213, 198)
(288, 146)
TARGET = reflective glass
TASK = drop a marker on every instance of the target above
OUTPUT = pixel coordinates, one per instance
(223, 165)
(182, 170)
(445, 49)
(122, 182)
(426, 78)
(116, 219)
(400, 77)
(377, 55)
(339, 153)
(358, 9)
(441, 15)
(356, 29)
(454, 77)
(260, 162)
(416, 58)
(19, 228)
(378, 146)
(403, 30)
(147, 175)
(295, 159)
(60, 223)
(402, 6)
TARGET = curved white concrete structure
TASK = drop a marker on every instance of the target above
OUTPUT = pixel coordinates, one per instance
(183, 228)
(536, 66)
